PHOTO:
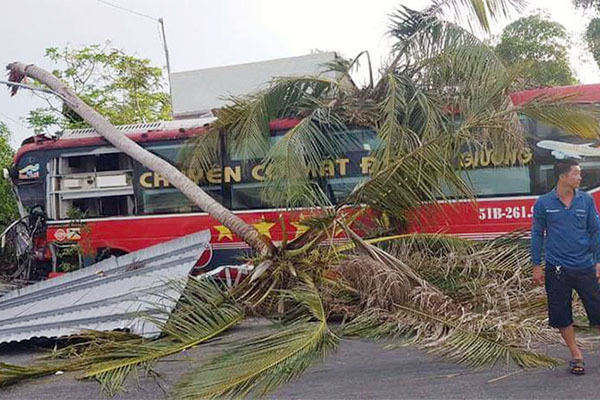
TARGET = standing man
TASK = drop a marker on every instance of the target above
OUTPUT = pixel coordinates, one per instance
(567, 219)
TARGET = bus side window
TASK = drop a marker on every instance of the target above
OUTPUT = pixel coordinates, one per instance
(247, 196)
(98, 185)
(352, 168)
(542, 169)
(499, 181)
(155, 195)
(170, 200)
(545, 180)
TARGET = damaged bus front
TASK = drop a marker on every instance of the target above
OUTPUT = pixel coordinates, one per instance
(66, 184)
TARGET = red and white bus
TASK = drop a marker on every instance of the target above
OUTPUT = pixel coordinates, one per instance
(507, 185)
(124, 207)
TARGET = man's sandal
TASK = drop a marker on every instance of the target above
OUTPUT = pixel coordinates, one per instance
(577, 367)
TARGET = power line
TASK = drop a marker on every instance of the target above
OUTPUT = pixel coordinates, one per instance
(128, 10)
(32, 88)
(161, 33)
(13, 120)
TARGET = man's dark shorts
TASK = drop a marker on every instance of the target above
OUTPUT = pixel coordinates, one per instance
(559, 289)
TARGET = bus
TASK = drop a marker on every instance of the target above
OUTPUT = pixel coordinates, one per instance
(507, 184)
(94, 197)
(89, 195)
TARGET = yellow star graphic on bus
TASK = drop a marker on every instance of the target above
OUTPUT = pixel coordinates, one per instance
(300, 229)
(264, 227)
(224, 232)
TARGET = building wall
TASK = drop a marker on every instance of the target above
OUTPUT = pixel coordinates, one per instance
(199, 91)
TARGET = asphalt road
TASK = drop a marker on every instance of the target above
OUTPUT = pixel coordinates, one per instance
(359, 370)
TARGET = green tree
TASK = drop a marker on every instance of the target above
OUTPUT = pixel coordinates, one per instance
(8, 202)
(587, 4)
(123, 88)
(592, 32)
(539, 46)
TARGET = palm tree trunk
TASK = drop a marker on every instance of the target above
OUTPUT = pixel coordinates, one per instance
(191, 190)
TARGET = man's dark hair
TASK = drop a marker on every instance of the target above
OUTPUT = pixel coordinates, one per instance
(564, 166)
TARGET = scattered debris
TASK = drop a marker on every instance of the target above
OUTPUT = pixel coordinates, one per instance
(105, 296)
(505, 376)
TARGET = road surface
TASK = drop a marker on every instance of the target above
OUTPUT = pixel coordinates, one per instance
(359, 370)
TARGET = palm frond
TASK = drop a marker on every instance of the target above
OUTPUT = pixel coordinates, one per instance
(428, 241)
(297, 161)
(426, 174)
(432, 243)
(343, 68)
(469, 293)
(384, 279)
(11, 373)
(201, 153)
(246, 120)
(394, 130)
(561, 112)
(423, 37)
(454, 338)
(260, 365)
(204, 311)
(485, 278)
(63, 359)
(462, 71)
(476, 347)
(480, 11)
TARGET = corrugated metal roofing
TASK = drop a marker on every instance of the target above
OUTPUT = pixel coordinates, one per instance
(105, 296)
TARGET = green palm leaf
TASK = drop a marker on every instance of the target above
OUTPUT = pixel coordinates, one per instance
(402, 107)
(11, 373)
(65, 359)
(479, 11)
(258, 366)
(295, 162)
(426, 174)
(561, 112)
(425, 40)
(204, 312)
(247, 119)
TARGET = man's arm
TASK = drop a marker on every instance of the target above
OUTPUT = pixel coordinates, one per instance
(593, 226)
(538, 229)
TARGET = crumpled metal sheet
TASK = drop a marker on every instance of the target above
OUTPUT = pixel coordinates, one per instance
(111, 294)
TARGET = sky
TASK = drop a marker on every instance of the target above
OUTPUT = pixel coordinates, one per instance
(207, 33)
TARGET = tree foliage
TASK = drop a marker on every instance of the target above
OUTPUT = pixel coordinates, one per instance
(8, 202)
(592, 38)
(587, 4)
(541, 45)
(592, 32)
(124, 88)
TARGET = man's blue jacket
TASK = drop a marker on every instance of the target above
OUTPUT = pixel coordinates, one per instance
(572, 234)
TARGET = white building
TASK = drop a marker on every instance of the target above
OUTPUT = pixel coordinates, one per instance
(195, 93)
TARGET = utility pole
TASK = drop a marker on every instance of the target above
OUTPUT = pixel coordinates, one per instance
(164, 37)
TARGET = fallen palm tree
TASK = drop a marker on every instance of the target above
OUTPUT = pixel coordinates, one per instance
(469, 302)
